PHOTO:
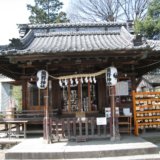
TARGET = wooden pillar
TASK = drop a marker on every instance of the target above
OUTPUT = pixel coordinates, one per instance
(79, 96)
(50, 95)
(25, 97)
(114, 129)
(89, 96)
(46, 120)
(69, 97)
(133, 82)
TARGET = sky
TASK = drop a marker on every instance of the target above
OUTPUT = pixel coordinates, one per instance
(13, 12)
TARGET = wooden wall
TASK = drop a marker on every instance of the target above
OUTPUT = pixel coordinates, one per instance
(102, 94)
(56, 95)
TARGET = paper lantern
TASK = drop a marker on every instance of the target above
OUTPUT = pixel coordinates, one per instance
(42, 77)
(111, 76)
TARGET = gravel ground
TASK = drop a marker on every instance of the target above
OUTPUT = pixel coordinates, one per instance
(2, 152)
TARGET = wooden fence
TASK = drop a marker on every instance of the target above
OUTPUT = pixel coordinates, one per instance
(79, 129)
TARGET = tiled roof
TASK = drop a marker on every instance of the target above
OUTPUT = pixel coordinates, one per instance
(4, 78)
(79, 41)
(88, 37)
(152, 79)
(3, 47)
(154, 44)
(71, 27)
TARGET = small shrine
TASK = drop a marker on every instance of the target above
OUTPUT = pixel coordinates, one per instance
(65, 72)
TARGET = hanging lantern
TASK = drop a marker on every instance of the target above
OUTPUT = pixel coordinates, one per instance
(111, 76)
(42, 77)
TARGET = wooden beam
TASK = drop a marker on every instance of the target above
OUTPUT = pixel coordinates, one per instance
(116, 53)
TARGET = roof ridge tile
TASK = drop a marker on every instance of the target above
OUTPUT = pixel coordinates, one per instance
(79, 24)
(76, 33)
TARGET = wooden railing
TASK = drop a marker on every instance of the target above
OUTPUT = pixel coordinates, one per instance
(30, 115)
(79, 129)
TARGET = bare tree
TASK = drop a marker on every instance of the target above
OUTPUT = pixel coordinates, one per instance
(94, 10)
(133, 9)
(107, 10)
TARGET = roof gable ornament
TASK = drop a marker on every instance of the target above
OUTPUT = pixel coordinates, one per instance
(139, 40)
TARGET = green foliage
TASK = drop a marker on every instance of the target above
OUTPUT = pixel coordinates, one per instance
(61, 18)
(15, 43)
(154, 8)
(138, 26)
(17, 94)
(46, 11)
(150, 26)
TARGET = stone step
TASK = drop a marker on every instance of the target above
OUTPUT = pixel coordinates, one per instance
(136, 157)
(37, 149)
